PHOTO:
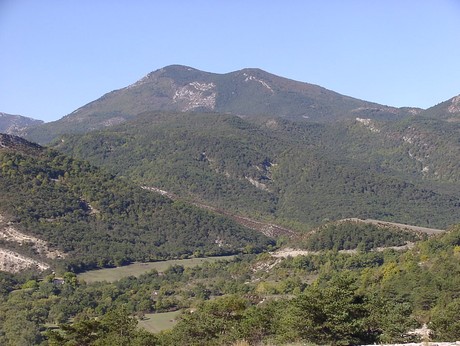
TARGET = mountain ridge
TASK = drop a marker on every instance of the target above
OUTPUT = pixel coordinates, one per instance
(14, 124)
(247, 92)
(448, 110)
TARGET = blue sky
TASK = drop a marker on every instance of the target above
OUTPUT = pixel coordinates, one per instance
(59, 55)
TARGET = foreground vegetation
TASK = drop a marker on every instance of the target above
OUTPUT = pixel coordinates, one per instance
(331, 297)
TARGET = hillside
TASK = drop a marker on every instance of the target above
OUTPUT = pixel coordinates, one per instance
(295, 173)
(54, 204)
(247, 92)
(421, 147)
(16, 124)
(448, 110)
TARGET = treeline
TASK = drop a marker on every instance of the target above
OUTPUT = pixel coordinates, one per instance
(351, 235)
(99, 220)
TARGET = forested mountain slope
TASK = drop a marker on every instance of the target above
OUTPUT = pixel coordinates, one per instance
(94, 219)
(293, 172)
(423, 148)
(274, 148)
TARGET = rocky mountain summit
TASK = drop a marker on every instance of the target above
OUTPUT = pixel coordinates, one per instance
(248, 92)
(448, 110)
(16, 124)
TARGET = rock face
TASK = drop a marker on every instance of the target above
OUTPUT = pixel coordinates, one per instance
(12, 261)
(16, 124)
(196, 95)
(454, 105)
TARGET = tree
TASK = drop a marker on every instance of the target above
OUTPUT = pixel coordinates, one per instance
(213, 323)
(20, 331)
(445, 321)
(116, 328)
(334, 314)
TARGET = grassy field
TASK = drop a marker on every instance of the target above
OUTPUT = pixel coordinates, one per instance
(155, 323)
(136, 269)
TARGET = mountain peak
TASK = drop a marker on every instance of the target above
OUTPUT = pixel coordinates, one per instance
(178, 72)
(254, 70)
(176, 67)
(454, 105)
(448, 110)
(16, 124)
(246, 92)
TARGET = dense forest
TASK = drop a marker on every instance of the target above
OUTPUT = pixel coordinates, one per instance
(99, 220)
(350, 235)
(293, 173)
(325, 298)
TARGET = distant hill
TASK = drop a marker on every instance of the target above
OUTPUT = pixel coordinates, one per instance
(247, 92)
(61, 211)
(16, 124)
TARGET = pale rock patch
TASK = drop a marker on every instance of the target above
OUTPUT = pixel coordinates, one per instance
(196, 95)
(9, 233)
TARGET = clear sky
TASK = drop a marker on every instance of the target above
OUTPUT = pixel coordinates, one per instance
(59, 55)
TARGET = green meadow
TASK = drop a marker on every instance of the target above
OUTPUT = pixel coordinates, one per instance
(157, 322)
(137, 269)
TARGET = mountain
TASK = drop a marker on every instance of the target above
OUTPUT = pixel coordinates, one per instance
(448, 110)
(16, 124)
(424, 147)
(294, 173)
(58, 211)
(247, 92)
(265, 146)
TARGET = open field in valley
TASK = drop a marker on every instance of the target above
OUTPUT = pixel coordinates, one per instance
(137, 269)
(155, 323)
